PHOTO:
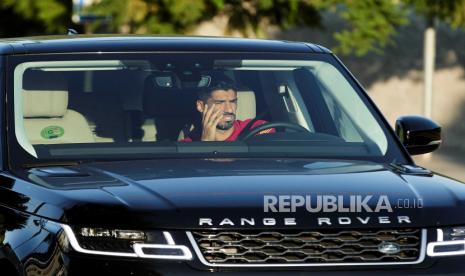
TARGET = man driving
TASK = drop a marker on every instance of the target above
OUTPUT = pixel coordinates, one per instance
(217, 105)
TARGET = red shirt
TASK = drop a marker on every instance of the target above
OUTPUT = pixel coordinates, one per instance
(238, 128)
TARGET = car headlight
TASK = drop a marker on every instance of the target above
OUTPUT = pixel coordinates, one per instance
(125, 243)
(116, 233)
(450, 241)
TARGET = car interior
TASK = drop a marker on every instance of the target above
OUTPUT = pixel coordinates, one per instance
(115, 102)
(93, 106)
(62, 108)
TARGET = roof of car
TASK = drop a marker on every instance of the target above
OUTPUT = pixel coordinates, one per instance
(120, 43)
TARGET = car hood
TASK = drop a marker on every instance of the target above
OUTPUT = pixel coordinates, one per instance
(231, 193)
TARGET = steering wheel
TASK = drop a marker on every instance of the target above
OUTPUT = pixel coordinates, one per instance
(288, 125)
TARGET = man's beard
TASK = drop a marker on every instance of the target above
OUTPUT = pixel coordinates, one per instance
(228, 124)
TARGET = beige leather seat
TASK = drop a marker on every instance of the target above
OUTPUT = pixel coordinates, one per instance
(47, 119)
(246, 108)
(246, 105)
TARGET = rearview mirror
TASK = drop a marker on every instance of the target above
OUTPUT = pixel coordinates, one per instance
(418, 134)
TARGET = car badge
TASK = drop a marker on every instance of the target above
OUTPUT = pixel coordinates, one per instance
(389, 248)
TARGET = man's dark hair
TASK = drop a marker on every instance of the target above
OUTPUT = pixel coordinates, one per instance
(205, 93)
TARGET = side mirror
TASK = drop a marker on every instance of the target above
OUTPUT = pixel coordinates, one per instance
(418, 134)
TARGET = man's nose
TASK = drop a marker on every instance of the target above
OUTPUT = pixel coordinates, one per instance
(228, 107)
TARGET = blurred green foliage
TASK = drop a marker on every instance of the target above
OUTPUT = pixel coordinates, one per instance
(369, 24)
(181, 16)
(449, 11)
(26, 17)
(154, 17)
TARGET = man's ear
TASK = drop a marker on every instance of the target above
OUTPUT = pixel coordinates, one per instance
(200, 105)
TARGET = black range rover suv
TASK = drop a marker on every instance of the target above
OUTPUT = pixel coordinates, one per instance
(102, 172)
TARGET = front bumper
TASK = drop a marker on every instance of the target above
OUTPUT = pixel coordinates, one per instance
(83, 265)
(60, 262)
(45, 255)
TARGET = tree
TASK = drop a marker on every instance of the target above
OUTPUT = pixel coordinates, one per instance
(451, 12)
(12, 25)
(250, 17)
(370, 24)
(27, 17)
(152, 17)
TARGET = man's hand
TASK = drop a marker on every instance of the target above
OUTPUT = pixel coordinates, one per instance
(210, 119)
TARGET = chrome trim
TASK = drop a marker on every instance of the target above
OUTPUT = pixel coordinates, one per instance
(440, 241)
(199, 254)
(168, 238)
(137, 247)
(432, 245)
(187, 255)
(440, 234)
(75, 244)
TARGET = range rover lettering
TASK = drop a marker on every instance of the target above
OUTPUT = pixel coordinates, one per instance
(140, 155)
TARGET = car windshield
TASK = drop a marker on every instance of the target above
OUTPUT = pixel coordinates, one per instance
(146, 105)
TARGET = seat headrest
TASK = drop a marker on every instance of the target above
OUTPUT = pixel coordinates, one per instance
(246, 105)
(45, 103)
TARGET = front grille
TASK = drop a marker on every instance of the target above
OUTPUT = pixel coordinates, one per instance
(308, 247)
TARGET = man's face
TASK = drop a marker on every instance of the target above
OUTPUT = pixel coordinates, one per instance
(225, 100)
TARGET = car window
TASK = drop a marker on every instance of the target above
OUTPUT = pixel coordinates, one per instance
(135, 105)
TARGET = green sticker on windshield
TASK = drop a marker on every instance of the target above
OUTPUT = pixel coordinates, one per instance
(52, 132)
